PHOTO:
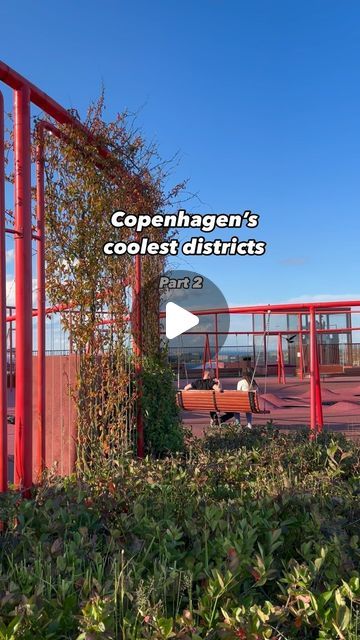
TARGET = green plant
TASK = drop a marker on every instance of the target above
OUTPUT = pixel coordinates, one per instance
(163, 430)
(255, 542)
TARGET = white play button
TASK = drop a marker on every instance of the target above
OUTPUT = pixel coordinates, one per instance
(178, 320)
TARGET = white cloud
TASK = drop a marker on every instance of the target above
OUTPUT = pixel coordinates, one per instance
(10, 254)
(11, 291)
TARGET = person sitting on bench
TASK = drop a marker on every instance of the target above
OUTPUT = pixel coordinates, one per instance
(207, 383)
(247, 383)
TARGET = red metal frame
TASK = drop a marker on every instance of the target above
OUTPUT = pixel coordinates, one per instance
(25, 94)
(3, 370)
(311, 309)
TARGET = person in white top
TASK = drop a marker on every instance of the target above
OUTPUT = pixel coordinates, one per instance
(247, 383)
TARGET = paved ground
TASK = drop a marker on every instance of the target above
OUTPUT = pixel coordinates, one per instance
(289, 404)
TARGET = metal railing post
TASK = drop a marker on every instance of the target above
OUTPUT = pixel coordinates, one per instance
(40, 221)
(3, 363)
(23, 294)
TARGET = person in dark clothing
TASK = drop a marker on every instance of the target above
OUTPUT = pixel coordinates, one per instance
(207, 383)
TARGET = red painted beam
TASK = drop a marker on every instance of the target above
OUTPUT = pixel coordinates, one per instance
(38, 97)
(65, 306)
(261, 333)
(3, 371)
(303, 307)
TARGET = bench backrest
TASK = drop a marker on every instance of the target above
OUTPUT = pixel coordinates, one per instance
(331, 368)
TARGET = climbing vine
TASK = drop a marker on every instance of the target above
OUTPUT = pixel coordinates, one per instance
(92, 170)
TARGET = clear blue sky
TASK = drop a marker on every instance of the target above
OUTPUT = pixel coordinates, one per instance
(260, 97)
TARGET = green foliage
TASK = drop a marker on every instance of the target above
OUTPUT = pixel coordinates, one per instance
(257, 542)
(163, 431)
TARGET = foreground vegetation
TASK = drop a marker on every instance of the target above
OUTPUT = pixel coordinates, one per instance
(245, 535)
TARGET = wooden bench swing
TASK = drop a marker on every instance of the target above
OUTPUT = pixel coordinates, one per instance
(218, 401)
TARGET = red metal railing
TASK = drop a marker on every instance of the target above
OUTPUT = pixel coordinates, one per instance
(3, 368)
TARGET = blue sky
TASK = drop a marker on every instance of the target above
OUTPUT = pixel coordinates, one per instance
(261, 100)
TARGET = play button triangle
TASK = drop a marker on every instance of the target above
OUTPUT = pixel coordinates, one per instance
(178, 320)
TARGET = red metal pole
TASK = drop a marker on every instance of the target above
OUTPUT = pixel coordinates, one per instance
(253, 339)
(281, 367)
(265, 327)
(11, 367)
(313, 356)
(71, 347)
(216, 346)
(279, 358)
(319, 410)
(137, 346)
(282, 363)
(23, 277)
(40, 221)
(3, 369)
(301, 351)
(204, 354)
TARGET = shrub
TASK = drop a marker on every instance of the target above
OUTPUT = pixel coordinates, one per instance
(163, 431)
(256, 542)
